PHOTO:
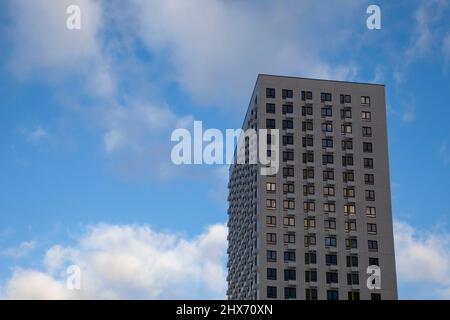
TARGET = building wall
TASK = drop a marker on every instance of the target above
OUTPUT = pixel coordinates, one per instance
(381, 187)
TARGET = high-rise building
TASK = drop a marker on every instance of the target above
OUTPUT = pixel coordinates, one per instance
(311, 230)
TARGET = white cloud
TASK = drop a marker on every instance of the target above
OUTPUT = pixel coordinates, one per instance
(218, 47)
(136, 138)
(22, 250)
(427, 15)
(124, 261)
(423, 257)
(44, 47)
(35, 135)
(406, 112)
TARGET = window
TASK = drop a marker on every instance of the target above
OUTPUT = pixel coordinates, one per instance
(349, 192)
(289, 256)
(271, 203)
(327, 143)
(327, 158)
(289, 238)
(289, 274)
(290, 293)
(346, 128)
(350, 225)
(308, 173)
(288, 155)
(307, 110)
(308, 189)
(345, 98)
(327, 127)
(270, 123)
(367, 131)
(331, 259)
(288, 187)
(310, 276)
(371, 211)
(289, 221)
(270, 107)
(271, 220)
(306, 95)
(347, 160)
(271, 274)
(332, 295)
(310, 240)
(308, 141)
(347, 144)
(328, 191)
(371, 228)
(271, 187)
(308, 156)
(328, 174)
(367, 147)
(325, 96)
(349, 208)
(288, 124)
(271, 292)
(288, 108)
(352, 261)
(370, 195)
(332, 277)
(330, 241)
(309, 206)
(310, 257)
(287, 93)
(311, 294)
(353, 278)
(307, 125)
(326, 111)
(288, 172)
(330, 224)
(369, 178)
(271, 256)
(353, 295)
(351, 243)
(270, 93)
(372, 245)
(365, 100)
(375, 296)
(271, 238)
(269, 138)
(368, 163)
(366, 115)
(329, 207)
(348, 176)
(288, 204)
(346, 114)
(288, 139)
(309, 223)
(374, 262)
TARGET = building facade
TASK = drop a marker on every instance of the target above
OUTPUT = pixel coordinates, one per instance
(311, 230)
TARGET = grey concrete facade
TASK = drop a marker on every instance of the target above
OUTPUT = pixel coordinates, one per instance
(281, 239)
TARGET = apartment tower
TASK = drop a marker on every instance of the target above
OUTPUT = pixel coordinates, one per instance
(311, 230)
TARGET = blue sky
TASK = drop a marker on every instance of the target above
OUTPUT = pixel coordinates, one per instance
(86, 117)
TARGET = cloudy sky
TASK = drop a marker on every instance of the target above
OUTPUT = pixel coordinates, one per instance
(86, 117)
